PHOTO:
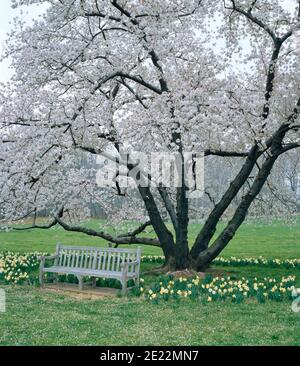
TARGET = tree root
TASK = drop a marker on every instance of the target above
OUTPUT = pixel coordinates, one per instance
(186, 273)
(158, 270)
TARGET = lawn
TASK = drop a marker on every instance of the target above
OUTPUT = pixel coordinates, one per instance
(276, 240)
(40, 317)
(35, 317)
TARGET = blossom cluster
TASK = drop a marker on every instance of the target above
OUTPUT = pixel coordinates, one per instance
(221, 288)
(252, 261)
(16, 267)
(237, 262)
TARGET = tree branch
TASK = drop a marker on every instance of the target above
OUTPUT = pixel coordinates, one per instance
(137, 231)
(248, 14)
(224, 153)
(169, 205)
(152, 53)
(43, 227)
(277, 41)
(276, 149)
(210, 225)
(101, 234)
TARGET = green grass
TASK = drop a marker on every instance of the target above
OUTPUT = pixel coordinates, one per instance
(278, 240)
(38, 317)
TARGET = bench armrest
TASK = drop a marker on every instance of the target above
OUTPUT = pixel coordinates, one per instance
(134, 262)
(127, 264)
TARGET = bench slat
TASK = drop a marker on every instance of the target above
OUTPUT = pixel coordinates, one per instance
(81, 259)
(118, 262)
(73, 256)
(116, 250)
(65, 258)
(108, 262)
(104, 261)
(85, 259)
(60, 258)
(76, 259)
(99, 260)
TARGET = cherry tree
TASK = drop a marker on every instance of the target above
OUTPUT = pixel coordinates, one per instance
(218, 77)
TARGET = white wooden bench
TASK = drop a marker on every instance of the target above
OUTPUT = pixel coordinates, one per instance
(121, 264)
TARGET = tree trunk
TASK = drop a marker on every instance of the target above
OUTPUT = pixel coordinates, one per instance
(210, 225)
(182, 246)
(239, 216)
(164, 235)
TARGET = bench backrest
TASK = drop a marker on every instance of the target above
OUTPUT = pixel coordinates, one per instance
(95, 258)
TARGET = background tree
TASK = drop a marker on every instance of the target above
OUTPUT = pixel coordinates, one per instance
(95, 76)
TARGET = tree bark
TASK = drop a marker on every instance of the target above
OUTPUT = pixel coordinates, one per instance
(209, 228)
(182, 246)
(163, 233)
(207, 256)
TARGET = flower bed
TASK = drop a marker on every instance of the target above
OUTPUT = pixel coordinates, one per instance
(220, 289)
(18, 268)
(259, 261)
(234, 261)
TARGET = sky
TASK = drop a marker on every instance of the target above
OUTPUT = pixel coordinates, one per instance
(6, 16)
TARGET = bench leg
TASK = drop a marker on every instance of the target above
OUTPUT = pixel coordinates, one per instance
(124, 286)
(41, 277)
(55, 278)
(94, 280)
(80, 283)
(41, 272)
(137, 281)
